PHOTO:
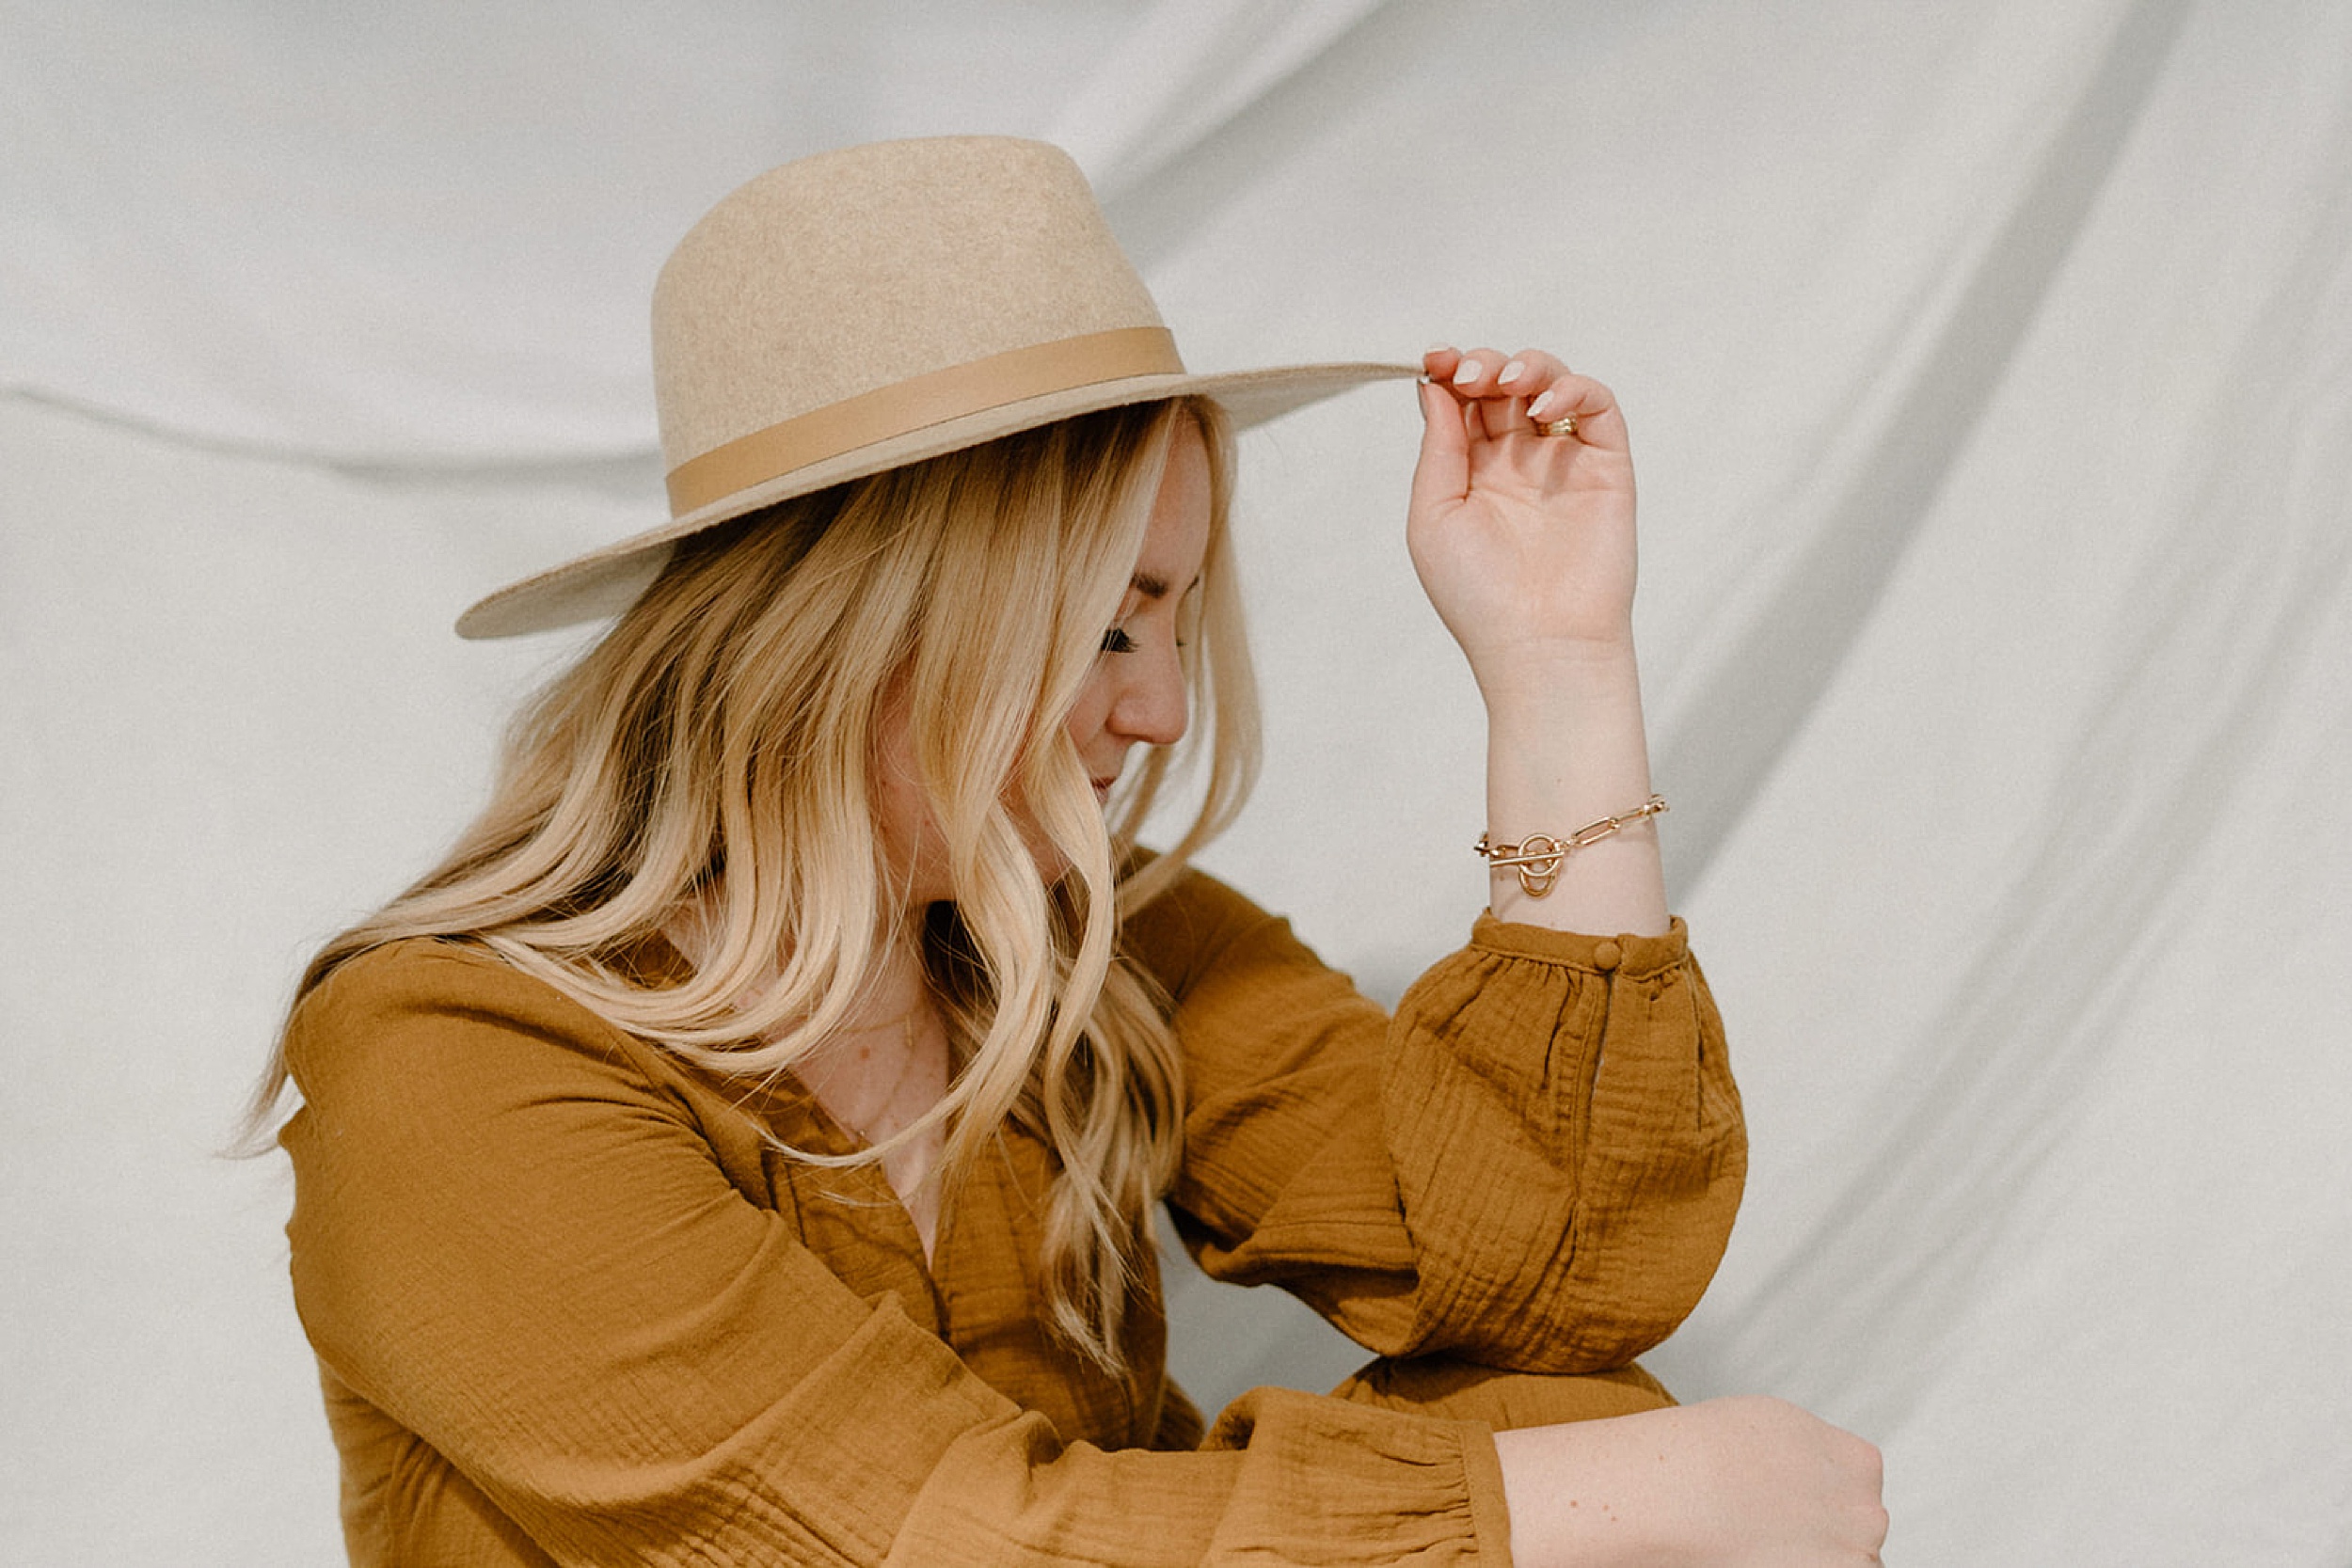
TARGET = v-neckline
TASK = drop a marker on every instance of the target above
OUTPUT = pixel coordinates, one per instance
(849, 1140)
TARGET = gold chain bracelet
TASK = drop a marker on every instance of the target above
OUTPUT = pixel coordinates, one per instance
(1538, 858)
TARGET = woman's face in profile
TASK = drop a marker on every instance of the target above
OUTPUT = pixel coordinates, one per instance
(1134, 695)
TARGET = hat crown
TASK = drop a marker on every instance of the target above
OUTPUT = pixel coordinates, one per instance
(846, 273)
(880, 306)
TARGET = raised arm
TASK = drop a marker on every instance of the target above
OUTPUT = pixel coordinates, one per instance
(1522, 529)
(1525, 545)
(1558, 1130)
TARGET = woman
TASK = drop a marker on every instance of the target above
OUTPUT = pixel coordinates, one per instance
(740, 1148)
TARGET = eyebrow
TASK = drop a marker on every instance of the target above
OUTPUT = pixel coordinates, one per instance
(1151, 585)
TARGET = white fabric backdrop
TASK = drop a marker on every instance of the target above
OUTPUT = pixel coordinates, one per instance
(1990, 373)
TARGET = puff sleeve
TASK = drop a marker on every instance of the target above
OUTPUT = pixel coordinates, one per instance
(1535, 1166)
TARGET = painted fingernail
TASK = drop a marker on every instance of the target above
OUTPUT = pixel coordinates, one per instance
(1468, 374)
(1544, 405)
(1511, 373)
(1436, 348)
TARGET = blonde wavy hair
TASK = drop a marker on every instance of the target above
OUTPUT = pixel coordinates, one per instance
(713, 758)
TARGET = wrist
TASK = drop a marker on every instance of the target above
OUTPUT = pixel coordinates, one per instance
(1585, 1495)
(1578, 711)
(1565, 749)
(1540, 678)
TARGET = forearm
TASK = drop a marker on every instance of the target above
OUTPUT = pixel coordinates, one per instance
(1581, 1495)
(1565, 747)
(1727, 1483)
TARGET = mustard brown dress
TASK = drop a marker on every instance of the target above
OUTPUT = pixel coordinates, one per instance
(571, 1306)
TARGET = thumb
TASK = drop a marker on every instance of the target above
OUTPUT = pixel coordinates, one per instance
(1442, 473)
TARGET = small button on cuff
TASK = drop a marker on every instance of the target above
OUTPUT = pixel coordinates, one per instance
(1607, 956)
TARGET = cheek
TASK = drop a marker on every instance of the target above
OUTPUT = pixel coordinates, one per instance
(1090, 712)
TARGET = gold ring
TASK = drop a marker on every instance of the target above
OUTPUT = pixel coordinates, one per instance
(1564, 426)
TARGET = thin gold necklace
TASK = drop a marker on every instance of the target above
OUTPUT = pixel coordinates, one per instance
(898, 1084)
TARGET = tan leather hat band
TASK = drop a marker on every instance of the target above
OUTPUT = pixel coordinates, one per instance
(910, 406)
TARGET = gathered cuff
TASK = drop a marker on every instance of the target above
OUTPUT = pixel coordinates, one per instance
(1638, 957)
(1335, 1482)
(1489, 1508)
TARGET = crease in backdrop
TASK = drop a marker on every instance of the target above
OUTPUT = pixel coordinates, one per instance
(1991, 373)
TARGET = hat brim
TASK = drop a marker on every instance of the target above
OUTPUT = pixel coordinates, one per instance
(606, 581)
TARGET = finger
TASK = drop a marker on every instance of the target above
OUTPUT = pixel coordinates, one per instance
(1488, 408)
(1497, 416)
(1475, 372)
(1442, 473)
(1529, 372)
(1439, 360)
(1870, 1534)
(1871, 1462)
(1594, 406)
(1505, 413)
(1503, 394)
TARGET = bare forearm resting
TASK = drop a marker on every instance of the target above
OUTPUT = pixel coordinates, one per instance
(1728, 1483)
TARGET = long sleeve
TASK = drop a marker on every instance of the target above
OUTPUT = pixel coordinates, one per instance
(559, 1328)
(1534, 1165)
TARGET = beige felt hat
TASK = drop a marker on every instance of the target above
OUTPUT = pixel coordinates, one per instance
(878, 306)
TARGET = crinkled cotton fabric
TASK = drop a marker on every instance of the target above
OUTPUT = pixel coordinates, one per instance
(573, 1304)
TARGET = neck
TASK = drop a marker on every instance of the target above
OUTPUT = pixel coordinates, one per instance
(897, 988)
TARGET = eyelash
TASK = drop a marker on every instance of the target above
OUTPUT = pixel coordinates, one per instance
(1116, 640)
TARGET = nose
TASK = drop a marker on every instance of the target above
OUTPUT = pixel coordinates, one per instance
(1152, 705)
